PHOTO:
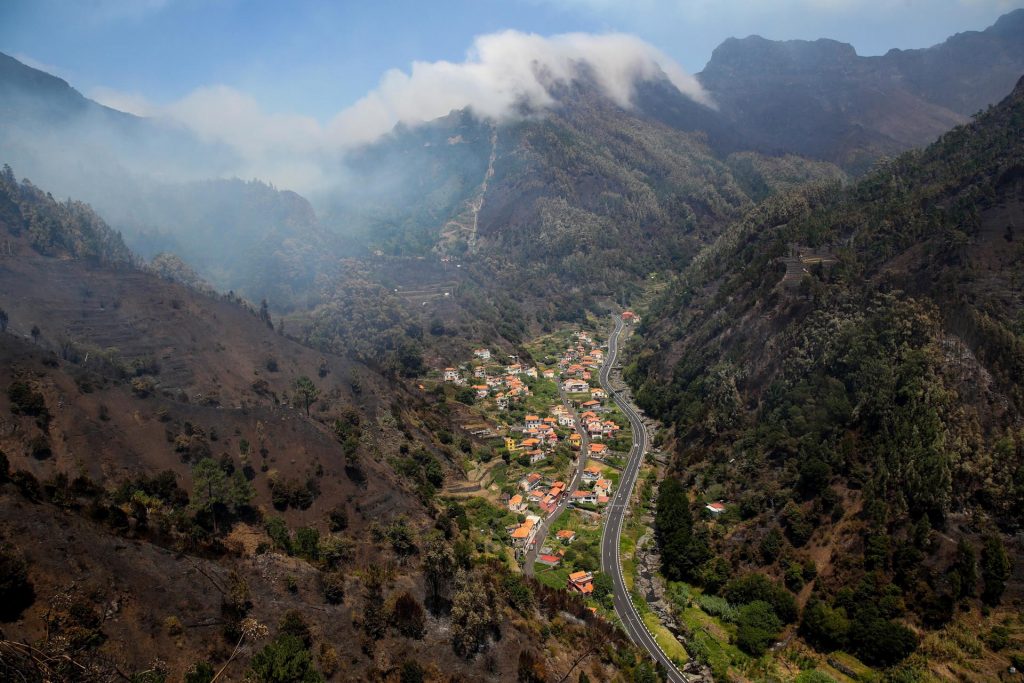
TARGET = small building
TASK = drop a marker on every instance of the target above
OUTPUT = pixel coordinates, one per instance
(598, 394)
(592, 473)
(630, 317)
(537, 456)
(582, 496)
(581, 582)
(549, 560)
(523, 535)
(566, 536)
(575, 440)
(451, 375)
(548, 374)
(530, 481)
(517, 504)
(533, 421)
(482, 354)
(716, 508)
(598, 450)
(603, 487)
(566, 420)
(481, 390)
(575, 386)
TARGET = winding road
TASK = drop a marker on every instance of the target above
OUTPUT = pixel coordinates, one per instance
(632, 623)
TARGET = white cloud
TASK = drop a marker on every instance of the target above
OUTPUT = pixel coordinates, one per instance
(131, 103)
(501, 72)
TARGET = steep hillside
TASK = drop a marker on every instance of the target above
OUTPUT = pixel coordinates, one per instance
(820, 99)
(183, 488)
(843, 369)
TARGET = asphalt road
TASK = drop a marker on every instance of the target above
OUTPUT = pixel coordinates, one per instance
(610, 563)
(545, 524)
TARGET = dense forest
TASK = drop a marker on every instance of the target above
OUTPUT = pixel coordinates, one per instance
(862, 418)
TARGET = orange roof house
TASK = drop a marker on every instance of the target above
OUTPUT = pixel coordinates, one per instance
(581, 582)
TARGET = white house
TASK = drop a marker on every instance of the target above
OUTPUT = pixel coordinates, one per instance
(482, 354)
(451, 375)
(566, 420)
(584, 497)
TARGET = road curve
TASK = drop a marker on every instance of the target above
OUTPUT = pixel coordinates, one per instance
(610, 562)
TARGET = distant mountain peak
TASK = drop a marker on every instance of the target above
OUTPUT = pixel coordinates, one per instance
(762, 53)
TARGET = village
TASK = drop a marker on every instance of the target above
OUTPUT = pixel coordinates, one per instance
(548, 416)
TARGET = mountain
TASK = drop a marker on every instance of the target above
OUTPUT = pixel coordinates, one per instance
(177, 478)
(842, 368)
(820, 99)
(242, 236)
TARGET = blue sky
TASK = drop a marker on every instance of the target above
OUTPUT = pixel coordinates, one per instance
(316, 58)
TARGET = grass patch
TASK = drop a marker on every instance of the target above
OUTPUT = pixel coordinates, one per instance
(555, 577)
(668, 643)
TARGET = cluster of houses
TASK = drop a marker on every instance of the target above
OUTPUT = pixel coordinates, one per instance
(536, 493)
(578, 365)
(504, 382)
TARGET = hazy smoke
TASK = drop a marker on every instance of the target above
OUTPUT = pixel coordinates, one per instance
(501, 73)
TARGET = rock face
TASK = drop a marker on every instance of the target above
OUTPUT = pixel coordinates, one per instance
(820, 99)
(651, 586)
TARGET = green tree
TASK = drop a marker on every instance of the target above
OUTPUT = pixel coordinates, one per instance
(474, 617)
(306, 391)
(682, 551)
(307, 543)
(284, 660)
(215, 493)
(438, 570)
(995, 569)
(964, 573)
(824, 627)
(756, 627)
(293, 624)
(757, 587)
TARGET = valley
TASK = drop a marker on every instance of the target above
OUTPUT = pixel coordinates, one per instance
(556, 364)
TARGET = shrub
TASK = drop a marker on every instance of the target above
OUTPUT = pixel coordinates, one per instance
(756, 587)
(717, 606)
(408, 617)
(824, 627)
(284, 660)
(307, 543)
(333, 585)
(756, 627)
(294, 625)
